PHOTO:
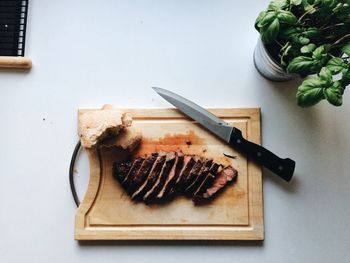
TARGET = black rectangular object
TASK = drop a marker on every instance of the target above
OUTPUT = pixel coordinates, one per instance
(13, 22)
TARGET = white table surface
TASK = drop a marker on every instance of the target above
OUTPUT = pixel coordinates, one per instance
(88, 53)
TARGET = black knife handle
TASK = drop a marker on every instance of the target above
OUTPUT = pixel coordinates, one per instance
(284, 168)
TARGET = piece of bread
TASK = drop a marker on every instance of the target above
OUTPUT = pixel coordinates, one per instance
(128, 139)
(94, 126)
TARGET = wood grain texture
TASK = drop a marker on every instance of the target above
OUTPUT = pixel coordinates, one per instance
(107, 213)
(15, 62)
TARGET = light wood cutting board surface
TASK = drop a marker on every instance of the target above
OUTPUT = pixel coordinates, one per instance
(107, 212)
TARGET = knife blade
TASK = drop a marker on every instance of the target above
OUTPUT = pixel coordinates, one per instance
(284, 168)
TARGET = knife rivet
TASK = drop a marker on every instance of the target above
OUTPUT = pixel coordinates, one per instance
(238, 141)
(258, 154)
(280, 167)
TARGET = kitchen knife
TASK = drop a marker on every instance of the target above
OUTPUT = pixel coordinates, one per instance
(284, 168)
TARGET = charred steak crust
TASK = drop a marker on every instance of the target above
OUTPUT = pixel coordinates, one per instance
(151, 179)
(214, 168)
(133, 170)
(142, 174)
(199, 177)
(193, 173)
(169, 162)
(189, 162)
(208, 181)
(173, 175)
(159, 175)
(120, 170)
(226, 175)
(198, 195)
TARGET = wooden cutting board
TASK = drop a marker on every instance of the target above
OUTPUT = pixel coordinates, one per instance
(107, 213)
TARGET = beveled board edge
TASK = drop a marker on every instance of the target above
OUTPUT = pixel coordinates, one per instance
(254, 231)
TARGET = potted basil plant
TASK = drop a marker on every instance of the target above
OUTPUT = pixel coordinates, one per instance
(309, 38)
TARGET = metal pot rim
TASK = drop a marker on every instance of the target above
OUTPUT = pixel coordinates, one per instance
(267, 66)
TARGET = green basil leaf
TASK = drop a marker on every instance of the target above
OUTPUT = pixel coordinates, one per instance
(258, 19)
(267, 19)
(310, 92)
(308, 7)
(304, 40)
(289, 32)
(320, 52)
(346, 49)
(308, 48)
(304, 33)
(311, 83)
(270, 33)
(314, 2)
(277, 4)
(286, 17)
(295, 2)
(334, 94)
(310, 32)
(301, 65)
(335, 65)
(325, 75)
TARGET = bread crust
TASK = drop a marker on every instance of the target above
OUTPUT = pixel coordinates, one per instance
(95, 126)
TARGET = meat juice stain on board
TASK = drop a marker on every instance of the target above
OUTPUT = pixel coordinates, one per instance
(186, 142)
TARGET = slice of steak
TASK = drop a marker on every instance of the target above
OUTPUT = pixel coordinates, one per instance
(224, 176)
(208, 181)
(133, 170)
(173, 175)
(198, 195)
(151, 178)
(214, 168)
(142, 174)
(208, 167)
(163, 175)
(121, 169)
(188, 164)
(189, 191)
(194, 172)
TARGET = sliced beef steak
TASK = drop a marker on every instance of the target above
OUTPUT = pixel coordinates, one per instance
(188, 163)
(120, 170)
(151, 179)
(226, 175)
(208, 167)
(159, 175)
(133, 170)
(163, 175)
(198, 195)
(142, 174)
(208, 182)
(173, 175)
(194, 172)
(199, 177)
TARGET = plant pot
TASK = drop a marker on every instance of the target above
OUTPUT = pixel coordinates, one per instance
(267, 66)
